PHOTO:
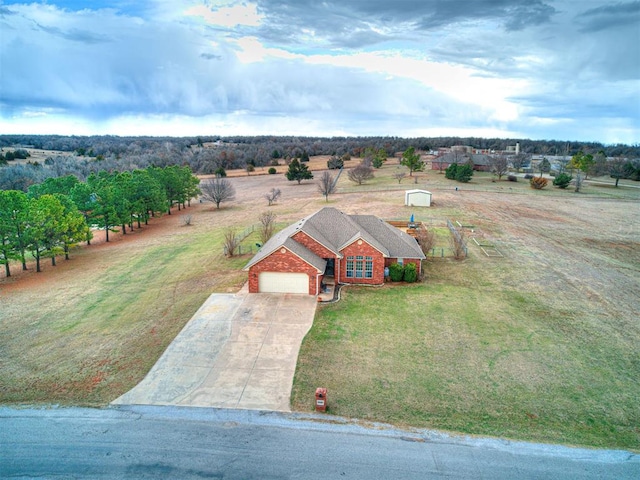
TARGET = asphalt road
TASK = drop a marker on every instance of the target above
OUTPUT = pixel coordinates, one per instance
(184, 443)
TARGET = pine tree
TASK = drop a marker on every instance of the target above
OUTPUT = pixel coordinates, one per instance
(298, 171)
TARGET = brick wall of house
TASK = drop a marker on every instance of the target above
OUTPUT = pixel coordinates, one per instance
(436, 164)
(312, 245)
(283, 262)
(368, 251)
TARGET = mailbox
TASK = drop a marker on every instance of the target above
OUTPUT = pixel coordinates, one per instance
(321, 399)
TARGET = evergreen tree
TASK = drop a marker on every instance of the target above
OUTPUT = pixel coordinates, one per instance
(298, 171)
(464, 173)
(562, 180)
(46, 228)
(13, 222)
(451, 171)
(412, 161)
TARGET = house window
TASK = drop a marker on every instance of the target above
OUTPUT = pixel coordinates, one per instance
(350, 271)
(359, 267)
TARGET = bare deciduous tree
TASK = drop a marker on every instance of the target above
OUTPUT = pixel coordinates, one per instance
(617, 169)
(217, 190)
(600, 165)
(326, 185)
(361, 173)
(273, 195)
(441, 161)
(499, 165)
(426, 239)
(231, 242)
(267, 226)
(458, 244)
(399, 175)
(518, 161)
(578, 180)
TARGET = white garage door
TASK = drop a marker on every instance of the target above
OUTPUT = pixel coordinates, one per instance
(278, 282)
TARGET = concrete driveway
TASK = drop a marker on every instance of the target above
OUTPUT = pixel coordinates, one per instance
(238, 351)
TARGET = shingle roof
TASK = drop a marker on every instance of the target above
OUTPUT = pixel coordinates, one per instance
(398, 243)
(331, 227)
(335, 230)
(274, 243)
(477, 158)
(306, 254)
(481, 159)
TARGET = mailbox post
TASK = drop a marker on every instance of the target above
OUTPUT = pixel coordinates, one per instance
(321, 399)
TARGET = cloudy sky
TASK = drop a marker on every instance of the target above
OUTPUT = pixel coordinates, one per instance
(540, 69)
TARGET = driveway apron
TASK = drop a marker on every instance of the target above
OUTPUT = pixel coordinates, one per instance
(238, 351)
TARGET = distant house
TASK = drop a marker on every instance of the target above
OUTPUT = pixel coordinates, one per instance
(481, 162)
(350, 249)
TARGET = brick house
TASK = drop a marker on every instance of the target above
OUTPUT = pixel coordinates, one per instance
(480, 162)
(329, 244)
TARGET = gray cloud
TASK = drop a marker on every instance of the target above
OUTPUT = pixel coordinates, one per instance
(4, 11)
(610, 16)
(359, 24)
(75, 34)
(99, 65)
(167, 69)
(513, 15)
(210, 56)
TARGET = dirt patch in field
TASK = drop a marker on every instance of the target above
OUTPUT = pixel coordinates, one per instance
(582, 251)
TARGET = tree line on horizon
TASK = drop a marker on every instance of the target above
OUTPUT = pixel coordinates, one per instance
(85, 155)
(59, 213)
(264, 145)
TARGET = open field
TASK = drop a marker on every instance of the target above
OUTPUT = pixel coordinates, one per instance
(541, 344)
(37, 154)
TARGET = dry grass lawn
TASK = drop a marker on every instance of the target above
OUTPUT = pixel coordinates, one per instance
(540, 344)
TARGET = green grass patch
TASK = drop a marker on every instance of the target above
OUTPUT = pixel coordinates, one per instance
(488, 361)
(90, 347)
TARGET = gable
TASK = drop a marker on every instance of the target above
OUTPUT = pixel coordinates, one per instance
(285, 260)
(361, 247)
(314, 245)
(291, 247)
(364, 244)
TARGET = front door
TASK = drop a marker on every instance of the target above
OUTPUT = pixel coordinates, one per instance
(331, 265)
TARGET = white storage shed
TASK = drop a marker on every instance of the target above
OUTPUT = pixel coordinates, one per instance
(417, 198)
